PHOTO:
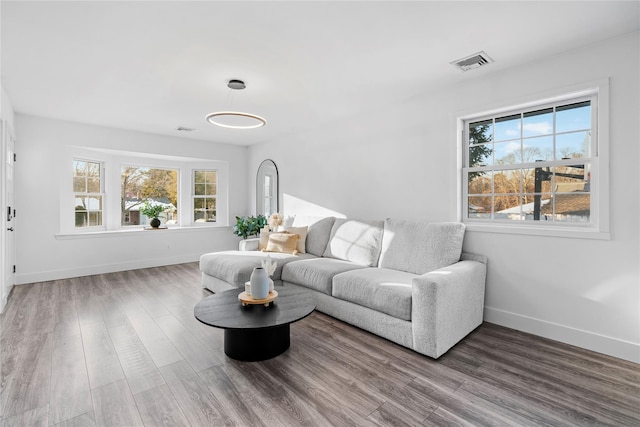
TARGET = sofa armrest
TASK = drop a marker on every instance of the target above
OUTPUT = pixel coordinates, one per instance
(249, 244)
(446, 305)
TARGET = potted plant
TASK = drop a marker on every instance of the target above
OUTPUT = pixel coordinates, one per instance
(152, 211)
(249, 226)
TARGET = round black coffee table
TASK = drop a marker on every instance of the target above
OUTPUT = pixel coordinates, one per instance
(255, 332)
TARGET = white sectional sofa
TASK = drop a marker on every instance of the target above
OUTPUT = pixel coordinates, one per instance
(406, 281)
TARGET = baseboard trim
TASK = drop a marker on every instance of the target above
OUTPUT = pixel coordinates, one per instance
(591, 341)
(45, 276)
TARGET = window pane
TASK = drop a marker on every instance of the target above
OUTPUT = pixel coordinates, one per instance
(569, 179)
(157, 186)
(479, 207)
(211, 189)
(508, 127)
(481, 132)
(82, 218)
(200, 189)
(480, 182)
(540, 148)
(79, 185)
(570, 208)
(573, 117)
(507, 181)
(573, 145)
(537, 123)
(507, 207)
(542, 175)
(93, 185)
(210, 176)
(199, 176)
(507, 153)
(533, 205)
(79, 168)
(480, 155)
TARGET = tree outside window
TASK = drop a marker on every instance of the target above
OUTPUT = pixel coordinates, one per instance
(157, 186)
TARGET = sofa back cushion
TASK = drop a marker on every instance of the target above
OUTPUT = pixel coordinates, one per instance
(356, 241)
(317, 234)
(420, 247)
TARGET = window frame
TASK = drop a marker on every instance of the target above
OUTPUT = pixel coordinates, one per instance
(598, 226)
(194, 196)
(101, 194)
(147, 166)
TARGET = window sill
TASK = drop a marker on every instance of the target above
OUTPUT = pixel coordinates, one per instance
(565, 232)
(135, 230)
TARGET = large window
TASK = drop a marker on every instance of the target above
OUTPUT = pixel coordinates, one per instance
(532, 165)
(205, 190)
(110, 191)
(88, 193)
(142, 185)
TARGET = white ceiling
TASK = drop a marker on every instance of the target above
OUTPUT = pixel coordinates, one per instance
(155, 65)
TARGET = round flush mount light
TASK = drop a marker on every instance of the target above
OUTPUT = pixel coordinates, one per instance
(236, 119)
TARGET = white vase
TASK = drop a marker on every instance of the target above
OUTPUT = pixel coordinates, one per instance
(271, 284)
(259, 283)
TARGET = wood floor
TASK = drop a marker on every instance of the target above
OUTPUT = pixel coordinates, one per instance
(124, 349)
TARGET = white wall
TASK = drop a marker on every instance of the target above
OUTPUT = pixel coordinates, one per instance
(42, 255)
(401, 161)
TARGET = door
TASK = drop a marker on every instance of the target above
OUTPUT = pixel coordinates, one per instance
(8, 215)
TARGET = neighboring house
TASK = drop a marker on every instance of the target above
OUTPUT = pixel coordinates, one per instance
(133, 216)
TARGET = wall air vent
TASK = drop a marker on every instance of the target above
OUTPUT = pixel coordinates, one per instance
(471, 62)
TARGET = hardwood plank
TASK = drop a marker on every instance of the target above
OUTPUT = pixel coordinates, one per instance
(85, 420)
(158, 407)
(38, 417)
(114, 406)
(139, 369)
(27, 385)
(212, 338)
(160, 348)
(199, 404)
(70, 393)
(389, 414)
(103, 365)
(193, 351)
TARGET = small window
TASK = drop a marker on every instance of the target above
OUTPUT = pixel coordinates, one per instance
(205, 190)
(151, 185)
(88, 193)
(534, 165)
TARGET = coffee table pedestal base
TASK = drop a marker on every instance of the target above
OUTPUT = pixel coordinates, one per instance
(252, 345)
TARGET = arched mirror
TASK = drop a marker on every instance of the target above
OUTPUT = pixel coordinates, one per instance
(267, 189)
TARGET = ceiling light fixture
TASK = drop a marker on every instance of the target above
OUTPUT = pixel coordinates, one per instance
(236, 119)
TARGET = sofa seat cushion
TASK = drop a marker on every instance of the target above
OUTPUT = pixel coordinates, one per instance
(235, 267)
(380, 289)
(317, 273)
(356, 241)
(420, 247)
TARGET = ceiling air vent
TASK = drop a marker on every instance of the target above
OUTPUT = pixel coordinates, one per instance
(184, 129)
(476, 60)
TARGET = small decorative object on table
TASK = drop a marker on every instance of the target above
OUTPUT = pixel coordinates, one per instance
(270, 267)
(248, 299)
(259, 283)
